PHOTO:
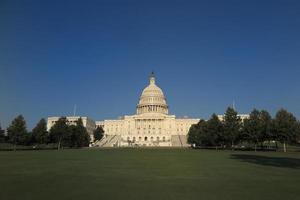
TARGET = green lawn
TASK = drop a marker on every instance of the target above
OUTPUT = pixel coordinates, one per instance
(149, 174)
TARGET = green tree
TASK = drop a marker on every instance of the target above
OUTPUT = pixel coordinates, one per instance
(79, 135)
(252, 128)
(98, 133)
(60, 132)
(39, 133)
(232, 126)
(194, 133)
(2, 136)
(72, 140)
(266, 126)
(203, 139)
(285, 127)
(17, 133)
(214, 131)
(298, 132)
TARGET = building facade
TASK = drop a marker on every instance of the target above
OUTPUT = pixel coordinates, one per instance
(241, 116)
(151, 126)
(88, 123)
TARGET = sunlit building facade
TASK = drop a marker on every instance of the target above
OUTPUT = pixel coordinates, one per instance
(151, 126)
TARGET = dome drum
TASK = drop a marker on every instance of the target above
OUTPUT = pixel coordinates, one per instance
(152, 99)
(141, 109)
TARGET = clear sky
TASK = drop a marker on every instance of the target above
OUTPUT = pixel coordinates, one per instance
(99, 54)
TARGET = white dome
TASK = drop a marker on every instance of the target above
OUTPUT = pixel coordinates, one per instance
(152, 99)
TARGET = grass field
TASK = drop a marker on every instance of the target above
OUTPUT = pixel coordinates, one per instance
(149, 174)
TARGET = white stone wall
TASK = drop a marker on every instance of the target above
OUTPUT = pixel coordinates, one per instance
(241, 116)
(88, 123)
(147, 129)
(183, 125)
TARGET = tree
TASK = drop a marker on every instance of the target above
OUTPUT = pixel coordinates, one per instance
(202, 133)
(214, 131)
(2, 136)
(285, 127)
(194, 133)
(252, 128)
(73, 136)
(205, 139)
(60, 132)
(39, 133)
(98, 133)
(266, 126)
(79, 135)
(298, 132)
(17, 133)
(232, 126)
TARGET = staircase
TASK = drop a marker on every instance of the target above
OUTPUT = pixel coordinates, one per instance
(179, 141)
(183, 140)
(108, 141)
(175, 140)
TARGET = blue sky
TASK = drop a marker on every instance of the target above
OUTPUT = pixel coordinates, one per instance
(99, 54)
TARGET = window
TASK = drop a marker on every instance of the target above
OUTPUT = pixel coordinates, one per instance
(164, 139)
(157, 138)
(145, 138)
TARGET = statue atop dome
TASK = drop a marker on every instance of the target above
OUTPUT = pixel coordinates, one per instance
(152, 78)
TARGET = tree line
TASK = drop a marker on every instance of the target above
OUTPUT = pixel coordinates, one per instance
(260, 129)
(61, 133)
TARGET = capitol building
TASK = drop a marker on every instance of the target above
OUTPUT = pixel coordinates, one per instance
(151, 126)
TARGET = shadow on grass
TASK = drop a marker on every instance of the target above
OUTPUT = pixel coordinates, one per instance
(293, 163)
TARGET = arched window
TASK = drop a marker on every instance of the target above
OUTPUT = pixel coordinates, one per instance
(145, 138)
(151, 138)
(164, 139)
(140, 138)
(128, 138)
(157, 138)
(133, 138)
